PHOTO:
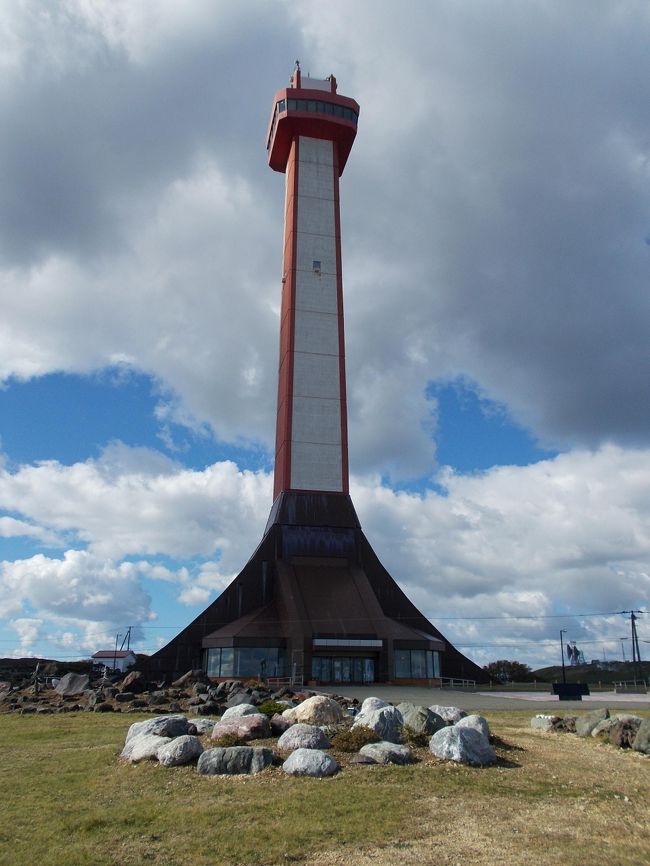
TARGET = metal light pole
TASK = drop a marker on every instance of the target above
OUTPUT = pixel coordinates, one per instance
(562, 631)
(623, 647)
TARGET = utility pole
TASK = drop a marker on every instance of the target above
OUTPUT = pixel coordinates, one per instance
(623, 647)
(562, 631)
(117, 637)
(636, 655)
(127, 639)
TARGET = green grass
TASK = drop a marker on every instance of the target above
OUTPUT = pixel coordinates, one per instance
(68, 801)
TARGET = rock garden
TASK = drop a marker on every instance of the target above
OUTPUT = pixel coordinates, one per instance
(623, 730)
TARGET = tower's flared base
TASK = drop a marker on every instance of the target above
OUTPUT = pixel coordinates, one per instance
(314, 603)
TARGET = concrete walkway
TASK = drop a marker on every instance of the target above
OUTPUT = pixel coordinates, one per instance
(535, 701)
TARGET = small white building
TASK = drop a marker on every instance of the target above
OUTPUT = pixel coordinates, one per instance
(115, 660)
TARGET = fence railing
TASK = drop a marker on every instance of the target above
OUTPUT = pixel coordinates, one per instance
(453, 683)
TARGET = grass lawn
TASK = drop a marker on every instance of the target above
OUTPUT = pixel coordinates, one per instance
(552, 799)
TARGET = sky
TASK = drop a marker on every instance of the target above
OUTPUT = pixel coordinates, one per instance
(496, 263)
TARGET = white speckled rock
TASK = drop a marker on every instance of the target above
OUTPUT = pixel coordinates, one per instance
(317, 710)
(239, 710)
(310, 762)
(143, 748)
(387, 753)
(163, 726)
(477, 723)
(252, 727)
(179, 751)
(300, 736)
(420, 719)
(373, 704)
(464, 745)
(451, 715)
(234, 761)
(386, 722)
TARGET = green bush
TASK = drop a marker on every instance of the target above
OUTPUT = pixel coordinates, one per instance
(271, 707)
(414, 738)
(353, 739)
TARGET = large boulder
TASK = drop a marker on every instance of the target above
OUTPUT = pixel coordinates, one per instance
(188, 679)
(422, 720)
(180, 750)
(301, 736)
(451, 715)
(372, 704)
(163, 726)
(235, 760)
(464, 745)
(279, 724)
(310, 762)
(386, 722)
(316, 710)
(238, 710)
(477, 723)
(133, 682)
(642, 740)
(72, 684)
(237, 697)
(144, 747)
(387, 753)
(623, 732)
(587, 722)
(255, 727)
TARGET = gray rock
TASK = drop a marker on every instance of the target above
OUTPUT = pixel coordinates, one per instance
(72, 684)
(239, 710)
(180, 750)
(164, 726)
(476, 723)
(386, 722)
(387, 753)
(363, 759)
(300, 736)
(544, 723)
(623, 732)
(238, 696)
(310, 762)
(373, 704)
(642, 740)
(603, 728)
(279, 724)
(587, 722)
(104, 707)
(422, 720)
(124, 697)
(316, 710)
(464, 745)
(202, 725)
(236, 760)
(143, 747)
(255, 727)
(451, 715)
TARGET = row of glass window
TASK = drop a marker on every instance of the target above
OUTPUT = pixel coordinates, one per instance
(246, 662)
(342, 670)
(416, 664)
(315, 105)
(334, 641)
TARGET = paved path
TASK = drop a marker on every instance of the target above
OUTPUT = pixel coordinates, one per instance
(492, 700)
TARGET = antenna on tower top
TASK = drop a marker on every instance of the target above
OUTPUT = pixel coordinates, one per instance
(298, 65)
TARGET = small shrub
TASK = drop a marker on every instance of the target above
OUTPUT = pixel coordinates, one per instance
(228, 740)
(270, 708)
(413, 738)
(354, 739)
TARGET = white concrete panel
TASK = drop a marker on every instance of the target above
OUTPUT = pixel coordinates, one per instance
(316, 333)
(316, 467)
(316, 180)
(315, 83)
(316, 376)
(315, 215)
(320, 248)
(316, 292)
(316, 150)
(316, 420)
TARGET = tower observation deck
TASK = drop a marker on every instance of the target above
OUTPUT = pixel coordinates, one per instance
(313, 602)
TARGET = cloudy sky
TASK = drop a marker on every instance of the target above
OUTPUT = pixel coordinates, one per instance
(496, 253)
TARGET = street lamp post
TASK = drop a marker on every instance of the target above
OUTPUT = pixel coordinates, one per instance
(562, 631)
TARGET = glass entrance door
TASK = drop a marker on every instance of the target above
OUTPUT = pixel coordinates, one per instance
(343, 669)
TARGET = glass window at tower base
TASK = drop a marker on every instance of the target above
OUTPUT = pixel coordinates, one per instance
(416, 664)
(246, 662)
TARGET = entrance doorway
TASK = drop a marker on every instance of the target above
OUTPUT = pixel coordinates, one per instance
(343, 669)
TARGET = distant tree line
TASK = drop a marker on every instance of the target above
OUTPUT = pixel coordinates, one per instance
(505, 671)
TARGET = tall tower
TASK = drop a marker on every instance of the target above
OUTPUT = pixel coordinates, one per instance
(311, 132)
(313, 602)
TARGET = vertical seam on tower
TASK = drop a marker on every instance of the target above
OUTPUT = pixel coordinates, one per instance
(345, 485)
